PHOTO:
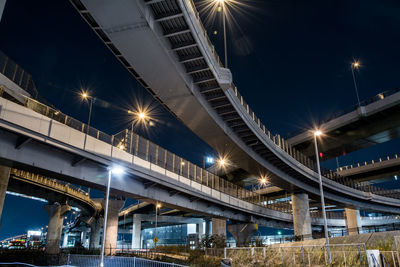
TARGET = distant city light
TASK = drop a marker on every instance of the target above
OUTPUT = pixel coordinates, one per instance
(210, 160)
(395, 177)
(279, 233)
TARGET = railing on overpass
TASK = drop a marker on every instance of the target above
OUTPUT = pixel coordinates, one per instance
(283, 144)
(298, 156)
(379, 160)
(18, 75)
(149, 151)
(56, 185)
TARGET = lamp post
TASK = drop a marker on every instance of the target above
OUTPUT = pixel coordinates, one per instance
(115, 170)
(139, 117)
(261, 181)
(355, 66)
(86, 96)
(222, 3)
(321, 190)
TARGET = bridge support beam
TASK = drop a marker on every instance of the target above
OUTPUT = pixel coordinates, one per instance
(137, 231)
(301, 216)
(56, 217)
(218, 227)
(114, 206)
(353, 221)
(242, 233)
(4, 177)
(199, 229)
(208, 227)
(95, 229)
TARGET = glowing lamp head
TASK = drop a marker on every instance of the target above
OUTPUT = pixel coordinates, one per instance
(317, 132)
(158, 205)
(142, 115)
(222, 162)
(356, 64)
(117, 170)
(84, 95)
(263, 180)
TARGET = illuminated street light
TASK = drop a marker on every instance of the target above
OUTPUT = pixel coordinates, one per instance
(139, 116)
(355, 66)
(321, 190)
(116, 170)
(85, 96)
(222, 3)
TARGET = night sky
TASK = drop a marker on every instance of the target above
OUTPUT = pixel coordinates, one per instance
(290, 60)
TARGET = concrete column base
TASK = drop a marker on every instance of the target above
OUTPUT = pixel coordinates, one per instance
(95, 229)
(137, 231)
(218, 227)
(56, 217)
(114, 206)
(242, 233)
(353, 221)
(301, 216)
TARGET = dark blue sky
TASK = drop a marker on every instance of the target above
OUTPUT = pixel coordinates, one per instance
(290, 60)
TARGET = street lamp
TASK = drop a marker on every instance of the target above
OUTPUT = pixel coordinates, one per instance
(117, 170)
(85, 96)
(261, 182)
(140, 116)
(222, 3)
(355, 66)
(321, 190)
(158, 206)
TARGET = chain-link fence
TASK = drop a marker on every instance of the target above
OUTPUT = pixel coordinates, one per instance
(342, 255)
(115, 261)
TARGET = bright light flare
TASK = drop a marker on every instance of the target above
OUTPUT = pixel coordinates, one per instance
(263, 180)
(158, 205)
(117, 170)
(85, 95)
(318, 133)
(356, 64)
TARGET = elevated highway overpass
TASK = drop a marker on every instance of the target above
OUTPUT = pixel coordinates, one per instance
(376, 121)
(189, 81)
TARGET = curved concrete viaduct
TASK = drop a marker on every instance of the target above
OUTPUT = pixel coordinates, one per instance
(189, 80)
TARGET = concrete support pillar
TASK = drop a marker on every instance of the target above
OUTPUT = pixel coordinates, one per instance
(95, 229)
(218, 226)
(114, 206)
(353, 221)
(137, 231)
(56, 217)
(2, 4)
(4, 177)
(208, 227)
(65, 240)
(242, 233)
(200, 229)
(84, 238)
(301, 216)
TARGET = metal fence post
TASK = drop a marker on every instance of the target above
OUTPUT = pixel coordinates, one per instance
(134, 261)
(281, 256)
(264, 252)
(302, 255)
(225, 253)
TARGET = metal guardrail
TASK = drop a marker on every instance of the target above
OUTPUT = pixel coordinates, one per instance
(297, 155)
(372, 162)
(18, 75)
(149, 151)
(309, 163)
(115, 261)
(55, 185)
